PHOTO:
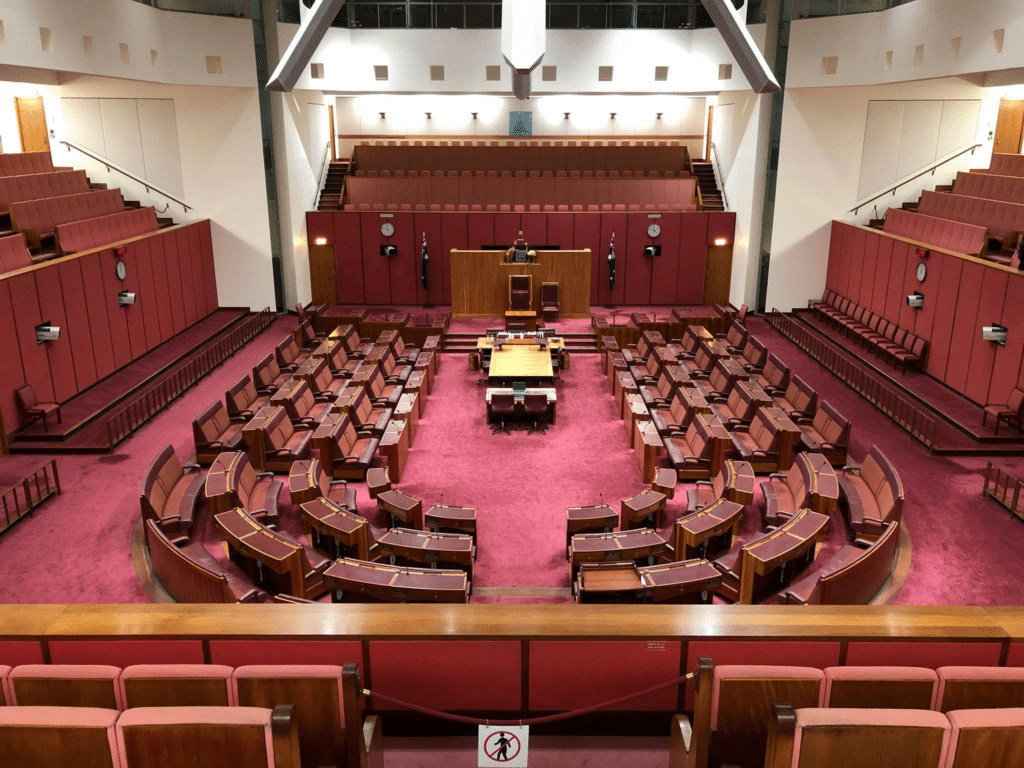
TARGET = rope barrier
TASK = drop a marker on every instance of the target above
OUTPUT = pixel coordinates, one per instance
(530, 721)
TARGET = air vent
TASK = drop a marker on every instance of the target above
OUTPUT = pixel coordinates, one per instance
(316, 71)
(126, 57)
(153, 54)
(829, 65)
(661, 74)
(380, 71)
(436, 72)
(954, 45)
(919, 56)
(888, 59)
(997, 38)
(44, 39)
(214, 66)
(725, 71)
(493, 73)
(604, 74)
(87, 46)
(549, 74)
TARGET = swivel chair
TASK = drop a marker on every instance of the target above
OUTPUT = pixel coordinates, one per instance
(503, 407)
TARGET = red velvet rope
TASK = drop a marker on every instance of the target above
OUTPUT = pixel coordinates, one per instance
(529, 721)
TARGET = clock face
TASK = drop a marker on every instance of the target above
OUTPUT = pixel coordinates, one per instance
(122, 270)
(922, 272)
(387, 229)
(654, 230)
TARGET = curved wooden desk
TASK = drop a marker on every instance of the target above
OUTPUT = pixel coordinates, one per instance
(429, 548)
(335, 530)
(258, 550)
(795, 543)
(357, 581)
(219, 490)
(709, 532)
(608, 547)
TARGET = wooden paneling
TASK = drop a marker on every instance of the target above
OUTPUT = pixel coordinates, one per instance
(1006, 368)
(27, 315)
(983, 353)
(965, 326)
(666, 269)
(147, 292)
(323, 276)
(163, 291)
(480, 281)
(404, 269)
(79, 330)
(942, 327)
(376, 270)
(867, 274)
(61, 363)
(348, 260)
(431, 226)
(454, 229)
(614, 223)
(638, 268)
(10, 360)
(92, 280)
(481, 230)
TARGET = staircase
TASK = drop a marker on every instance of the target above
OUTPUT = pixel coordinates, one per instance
(330, 195)
(710, 194)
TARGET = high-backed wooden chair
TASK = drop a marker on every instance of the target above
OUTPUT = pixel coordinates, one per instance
(520, 292)
(985, 737)
(979, 688)
(549, 302)
(872, 687)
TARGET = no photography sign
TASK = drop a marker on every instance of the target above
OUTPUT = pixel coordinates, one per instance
(503, 745)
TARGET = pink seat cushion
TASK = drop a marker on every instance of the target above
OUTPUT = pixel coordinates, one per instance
(888, 718)
(749, 671)
(194, 671)
(965, 719)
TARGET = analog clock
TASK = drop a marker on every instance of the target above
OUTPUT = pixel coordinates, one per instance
(122, 270)
(654, 229)
(922, 272)
(387, 229)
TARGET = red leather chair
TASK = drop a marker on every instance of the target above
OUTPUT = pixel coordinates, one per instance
(31, 409)
(1012, 413)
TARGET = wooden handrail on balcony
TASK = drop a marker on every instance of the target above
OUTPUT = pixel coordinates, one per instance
(23, 497)
(1004, 488)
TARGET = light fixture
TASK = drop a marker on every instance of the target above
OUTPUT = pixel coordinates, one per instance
(383, 116)
(121, 250)
(566, 115)
(721, 241)
(428, 115)
(996, 333)
(659, 115)
(125, 298)
(47, 332)
(474, 115)
(320, 241)
(916, 300)
(924, 253)
(611, 115)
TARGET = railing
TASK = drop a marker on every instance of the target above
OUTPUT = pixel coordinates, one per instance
(890, 401)
(931, 170)
(150, 187)
(20, 499)
(1004, 488)
(324, 165)
(161, 393)
(718, 171)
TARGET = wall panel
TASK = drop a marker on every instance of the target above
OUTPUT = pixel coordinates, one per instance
(348, 264)
(835, 246)
(983, 353)
(180, 241)
(10, 360)
(209, 271)
(147, 291)
(403, 269)
(669, 271)
(162, 289)
(895, 297)
(614, 223)
(560, 226)
(454, 234)
(854, 245)
(102, 347)
(195, 249)
(867, 272)
(638, 268)
(506, 228)
(238, 653)
(61, 362)
(964, 325)
(930, 655)
(124, 653)
(171, 260)
(79, 330)
(376, 270)
(117, 318)
(587, 234)
(950, 270)
(27, 315)
(693, 239)
(883, 260)
(134, 314)
(431, 225)
(535, 228)
(908, 315)
(1006, 368)
(481, 230)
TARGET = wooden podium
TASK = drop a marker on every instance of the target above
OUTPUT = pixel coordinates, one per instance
(480, 281)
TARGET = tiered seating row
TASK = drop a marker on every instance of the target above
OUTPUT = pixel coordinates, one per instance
(23, 163)
(1000, 218)
(887, 338)
(1006, 188)
(37, 219)
(13, 253)
(87, 234)
(943, 233)
(521, 155)
(1006, 165)
(508, 193)
(35, 186)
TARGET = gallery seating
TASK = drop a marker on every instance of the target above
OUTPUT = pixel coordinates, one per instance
(36, 186)
(190, 574)
(171, 493)
(13, 253)
(258, 493)
(968, 687)
(346, 452)
(754, 355)
(871, 496)
(268, 376)
(87, 234)
(283, 443)
(86, 737)
(38, 219)
(987, 185)
(678, 415)
(854, 575)
(985, 737)
(735, 338)
(214, 431)
(698, 454)
(949, 235)
(999, 217)
(1003, 164)
(765, 443)
(868, 687)
(799, 401)
(827, 434)
(774, 378)
(243, 400)
(904, 347)
(30, 408)
(176, 685)
(65, 685)
(22, 163)
(1012, 412)
(288, 355)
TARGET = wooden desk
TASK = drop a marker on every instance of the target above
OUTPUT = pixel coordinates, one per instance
(219, 492)
(635, 413)
(394, 446)
(623, 385)
(253, 434)
(357, 581)
(428, 548)
(305, 371)
(549, 391)
(600, 518)
(643, 543)
(402, 508)
(302, 482)
(487, 342)
(740, 481)
(325, 349)
(388, 338)
(260, 550)
(665, 481)
(444, 518)
(645, 510)
(528, 317)
(521, 361)
(287, 395)
(789, 436)
(647, 447)
(708, 533)
(615, 364)
(408, 411)
(823, 490)
(335, 530)
(417, 385)
(795, 542)
(690, 581)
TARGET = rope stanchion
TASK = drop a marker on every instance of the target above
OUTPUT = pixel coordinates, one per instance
(530, 721)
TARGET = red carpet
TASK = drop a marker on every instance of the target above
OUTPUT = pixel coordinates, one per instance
(76, 548)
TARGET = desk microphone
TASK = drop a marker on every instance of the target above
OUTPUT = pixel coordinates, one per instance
(602, 498)
(441, 502)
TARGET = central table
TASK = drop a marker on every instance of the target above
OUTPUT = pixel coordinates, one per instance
(528, 362)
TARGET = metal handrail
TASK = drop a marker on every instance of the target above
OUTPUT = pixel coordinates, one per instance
(320, 178)
(721, 178)
(150, 187)
(931, 170)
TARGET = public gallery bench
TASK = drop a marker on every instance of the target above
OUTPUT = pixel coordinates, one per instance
(22, 163)
(87, 234)
(949, 235)
(1008, 188)
(38, 219)
(888, 338)
(1003, 220)
(171, 493)
(37, 186)
(13, 253)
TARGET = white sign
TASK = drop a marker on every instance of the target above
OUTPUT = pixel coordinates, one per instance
(503, 745)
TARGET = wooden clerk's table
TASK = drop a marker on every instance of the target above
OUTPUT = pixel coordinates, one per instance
(528, 317)
(521, 359)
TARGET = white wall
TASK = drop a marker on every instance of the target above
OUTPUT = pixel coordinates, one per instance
(10, 138)
(222, 174)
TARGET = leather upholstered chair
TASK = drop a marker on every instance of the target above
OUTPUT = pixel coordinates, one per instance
(535, 408)
(243, 400)
(268, 376)
(288, 355)
(347, 452)
(30, 409)
(284, 443)
(214, 431)
(503, 408)
(171, 493)
(1012, 413)
(520, 292)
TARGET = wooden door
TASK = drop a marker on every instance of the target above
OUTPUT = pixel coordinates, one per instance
(1009, 127)
(323, 278)
(32, 124)
(717, 274)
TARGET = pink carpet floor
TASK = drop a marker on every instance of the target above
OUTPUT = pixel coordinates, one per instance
(545, 752)
(76, 548)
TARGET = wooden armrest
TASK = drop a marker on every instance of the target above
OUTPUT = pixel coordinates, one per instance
(780, 475)
(261, 475)
(862, 543)
(191, 467)
(238, 419)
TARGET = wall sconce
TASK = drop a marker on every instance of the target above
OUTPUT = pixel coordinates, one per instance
(659, 115)
(916, 300)
(474, 115)
(611, 115)
(566, 115)
(125, 298)
(320, 241)
(46, 332)
(996, 333)
(428, 115)
(121, 251)
(721, 241)
(383, 116)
